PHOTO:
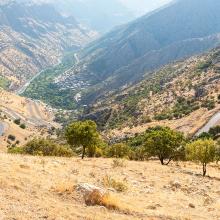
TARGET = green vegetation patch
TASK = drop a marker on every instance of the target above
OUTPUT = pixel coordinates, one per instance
(4, 83)
(183, 107)
(43, 88)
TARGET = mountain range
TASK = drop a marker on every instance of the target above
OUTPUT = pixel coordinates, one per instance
(121, 57)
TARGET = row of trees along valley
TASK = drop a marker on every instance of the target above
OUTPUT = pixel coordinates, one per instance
(83, 138)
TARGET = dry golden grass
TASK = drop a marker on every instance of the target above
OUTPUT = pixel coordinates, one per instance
(118, 163)
(107, 200)
(44, 188)
(118, 185)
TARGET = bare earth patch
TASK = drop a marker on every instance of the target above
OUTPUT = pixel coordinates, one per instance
(46, 188)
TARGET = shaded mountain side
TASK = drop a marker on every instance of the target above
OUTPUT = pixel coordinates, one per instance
(150, 61)
(171, 93)
(121, 57)
(33, 37)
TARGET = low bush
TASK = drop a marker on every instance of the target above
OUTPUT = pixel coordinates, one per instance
(11, 137)
(119, 186)
(119, 150)
(43, 147)
(118, 163)
(17, 121)
(23, 126)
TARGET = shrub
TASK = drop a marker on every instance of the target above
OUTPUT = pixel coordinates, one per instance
(203, 66)
(217, 153)
(11, 137)
(214, 131)
(204, 135)
(119, 150)
(23, 126)
(118, 163)
(17, 121)
(139, 154)
(203, 151)
(209, 104)
(15, 150)
(43, 147)
(119, 186)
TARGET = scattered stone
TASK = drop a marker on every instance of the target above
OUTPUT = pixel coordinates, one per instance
(174, 185)
(23, 166)
(192, 205)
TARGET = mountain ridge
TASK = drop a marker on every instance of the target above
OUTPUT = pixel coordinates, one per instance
(129, 51)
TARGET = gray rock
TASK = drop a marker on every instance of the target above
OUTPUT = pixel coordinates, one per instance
(86, 188)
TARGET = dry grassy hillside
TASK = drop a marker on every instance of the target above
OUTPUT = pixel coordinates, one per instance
(48, 188)
(35, 115)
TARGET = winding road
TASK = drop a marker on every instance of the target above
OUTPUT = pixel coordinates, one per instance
(3, 128)
(215, 120)
(24, 87)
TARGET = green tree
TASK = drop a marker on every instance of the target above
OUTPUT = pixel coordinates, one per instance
(82, 134)
(203, 151)
(164, 143)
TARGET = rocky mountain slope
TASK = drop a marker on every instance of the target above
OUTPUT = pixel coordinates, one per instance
(176, 95)
(33, 37)
(121, 57)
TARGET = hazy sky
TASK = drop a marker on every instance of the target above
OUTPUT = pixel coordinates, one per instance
(143, 6)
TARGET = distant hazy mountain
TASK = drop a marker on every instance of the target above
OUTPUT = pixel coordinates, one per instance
(181, 29)
(33, 37)
(99, 15)
(140, 7)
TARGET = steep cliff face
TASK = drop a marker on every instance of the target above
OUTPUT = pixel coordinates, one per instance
(33, 37)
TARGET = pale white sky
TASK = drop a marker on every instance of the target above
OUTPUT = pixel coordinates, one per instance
(143, 6)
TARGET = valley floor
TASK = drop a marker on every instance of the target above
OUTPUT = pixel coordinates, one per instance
(43, 188)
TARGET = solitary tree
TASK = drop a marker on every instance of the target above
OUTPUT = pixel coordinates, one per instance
(164, 143)
(82, 134)
(203, 151)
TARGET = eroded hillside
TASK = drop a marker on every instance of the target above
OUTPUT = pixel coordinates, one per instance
(36, 116)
